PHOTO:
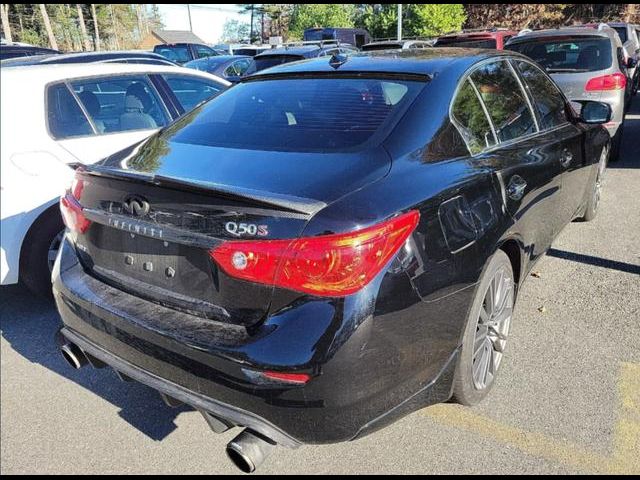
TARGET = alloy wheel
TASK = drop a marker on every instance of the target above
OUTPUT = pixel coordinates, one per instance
(492, 329)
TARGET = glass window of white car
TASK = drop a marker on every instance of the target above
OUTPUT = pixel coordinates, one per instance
(121, 104)
(64, 116)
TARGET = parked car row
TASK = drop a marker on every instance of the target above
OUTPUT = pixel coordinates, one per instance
(319, 250)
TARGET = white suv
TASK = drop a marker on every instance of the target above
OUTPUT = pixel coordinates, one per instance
(54, 116)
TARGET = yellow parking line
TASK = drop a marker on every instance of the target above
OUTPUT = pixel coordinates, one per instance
(626, 441)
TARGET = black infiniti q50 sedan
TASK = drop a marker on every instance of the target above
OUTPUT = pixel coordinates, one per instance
(331, 244)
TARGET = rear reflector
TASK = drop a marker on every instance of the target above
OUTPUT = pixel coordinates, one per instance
(297, 378)
(71, 209)
(615, 81)
(327, 265)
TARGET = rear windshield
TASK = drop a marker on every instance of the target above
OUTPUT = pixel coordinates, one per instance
(175, 54)
(384, 46)
(467, 43)
(299, 115)
(568, 55)
(273, 60)
(622, 32)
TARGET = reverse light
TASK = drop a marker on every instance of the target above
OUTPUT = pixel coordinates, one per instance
(615, 81)
(326, 265)
(72, 213)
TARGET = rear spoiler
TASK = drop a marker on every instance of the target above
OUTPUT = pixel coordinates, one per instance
(290, 203)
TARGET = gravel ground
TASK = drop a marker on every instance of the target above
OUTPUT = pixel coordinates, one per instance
(566, 400)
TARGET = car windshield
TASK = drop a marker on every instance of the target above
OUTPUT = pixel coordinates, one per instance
(622, 32)
(382, 46)
(300, 115)
(568, 54)
(467, 43)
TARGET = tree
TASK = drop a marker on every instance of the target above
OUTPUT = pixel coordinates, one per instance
(83, 28)
(96, 29)
(47, 24)
(235, 31)
(6, 27)
(431, 20)
(309, 15)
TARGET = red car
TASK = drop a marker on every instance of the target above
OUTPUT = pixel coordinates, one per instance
(494, 38)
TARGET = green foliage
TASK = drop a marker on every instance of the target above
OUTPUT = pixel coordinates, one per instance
(431, 20)
(235, 31)
(309, 15)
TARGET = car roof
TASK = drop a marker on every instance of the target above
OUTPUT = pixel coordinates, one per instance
(410, 62)
(295, 50)
(479, 34)
(85, 56)
(43, 74)
(562, 32)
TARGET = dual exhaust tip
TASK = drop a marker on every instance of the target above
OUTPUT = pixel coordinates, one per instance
(247, 451)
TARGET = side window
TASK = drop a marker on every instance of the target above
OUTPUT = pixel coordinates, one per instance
(545, 95)
(237, 69)
(120, 104)
(202, 51)
(191, 91)
(505, 101)
(64, 115)
(470, 119)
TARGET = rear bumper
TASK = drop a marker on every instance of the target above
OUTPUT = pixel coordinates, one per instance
(362, 379)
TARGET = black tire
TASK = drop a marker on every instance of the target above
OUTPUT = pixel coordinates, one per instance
(35, 271)
(465, 390)
(616, 144)
(591, 210)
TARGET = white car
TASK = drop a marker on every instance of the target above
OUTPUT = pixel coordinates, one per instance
(54, 116)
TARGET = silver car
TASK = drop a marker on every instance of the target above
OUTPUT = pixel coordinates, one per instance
(630, 37)
(587, 64)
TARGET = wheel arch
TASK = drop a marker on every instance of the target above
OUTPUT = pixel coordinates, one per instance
(52, 209)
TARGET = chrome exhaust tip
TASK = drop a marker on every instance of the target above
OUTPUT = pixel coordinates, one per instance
(73, 355)
(249, 450)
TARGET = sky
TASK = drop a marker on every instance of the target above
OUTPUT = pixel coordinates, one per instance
(207, 20)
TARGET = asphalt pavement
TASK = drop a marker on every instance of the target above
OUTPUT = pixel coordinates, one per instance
(566, 401)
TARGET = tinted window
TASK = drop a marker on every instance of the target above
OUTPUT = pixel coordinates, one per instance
(120, 104)
(470, 119)
(622, 32)
(300, 114)
(570, 54)
(191, 91)
(272, 60)
(467, 43)
(546, 97)
(203, 52)
(65, 116)
(237, 69)
(505, 101)
(175, 54)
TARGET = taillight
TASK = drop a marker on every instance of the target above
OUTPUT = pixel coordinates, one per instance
(71, 209)
(615, 81)
(327, 265)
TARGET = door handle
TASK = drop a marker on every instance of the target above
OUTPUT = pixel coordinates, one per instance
(566, 157)
(516, 187)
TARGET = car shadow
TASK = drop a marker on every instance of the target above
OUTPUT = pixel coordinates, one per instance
(29, 324)
(630, 150)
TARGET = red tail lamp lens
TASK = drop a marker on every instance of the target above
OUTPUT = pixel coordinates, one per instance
(615, 81)
(327, 265)
(297, 378)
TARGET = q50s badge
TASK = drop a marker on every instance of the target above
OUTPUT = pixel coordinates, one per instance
(246, 229)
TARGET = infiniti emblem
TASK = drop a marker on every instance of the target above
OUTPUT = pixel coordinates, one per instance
(135, 205)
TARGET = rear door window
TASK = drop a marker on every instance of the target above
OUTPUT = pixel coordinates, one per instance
(505, 101)
(237, 68)
(301, 115)
(546, 97)
(121, 104)
(64, 116)
(470, 119)
(191, 91)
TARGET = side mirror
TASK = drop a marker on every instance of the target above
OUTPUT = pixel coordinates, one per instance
(632, 63)
(595, 112)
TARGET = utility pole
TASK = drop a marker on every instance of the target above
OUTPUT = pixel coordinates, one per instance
(6, 26)
(251, 25)
(399, 21)
(189, 12)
